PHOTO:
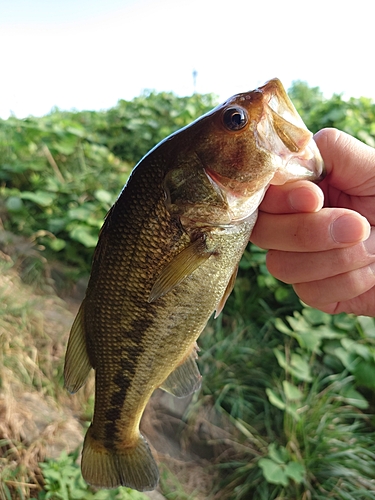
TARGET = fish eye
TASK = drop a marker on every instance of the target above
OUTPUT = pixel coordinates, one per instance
(235, 118)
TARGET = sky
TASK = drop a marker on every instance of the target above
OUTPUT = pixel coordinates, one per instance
(88, 54)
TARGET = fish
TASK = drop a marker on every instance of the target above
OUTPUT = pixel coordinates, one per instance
(167, 259)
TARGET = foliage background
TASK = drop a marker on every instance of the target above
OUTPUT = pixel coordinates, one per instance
(294, 386)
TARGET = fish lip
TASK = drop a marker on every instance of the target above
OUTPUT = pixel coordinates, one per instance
(283, 134)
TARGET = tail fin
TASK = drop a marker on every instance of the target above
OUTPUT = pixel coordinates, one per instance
(133, 467)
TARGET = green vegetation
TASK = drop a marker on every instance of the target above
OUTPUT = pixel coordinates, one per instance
(63, 481)
(289, 390)
(60, 174)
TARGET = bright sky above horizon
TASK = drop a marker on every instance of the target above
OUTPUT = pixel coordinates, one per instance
(87, 54)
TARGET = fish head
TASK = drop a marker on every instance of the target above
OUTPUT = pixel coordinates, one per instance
(252, 140)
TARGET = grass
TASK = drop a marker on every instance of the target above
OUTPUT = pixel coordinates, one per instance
(283, 413)
(34, 414)
(291, 397)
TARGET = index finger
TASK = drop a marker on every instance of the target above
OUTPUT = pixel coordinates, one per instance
(292, 197)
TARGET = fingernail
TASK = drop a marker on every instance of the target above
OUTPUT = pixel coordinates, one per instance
(369, 244)
(350, 229)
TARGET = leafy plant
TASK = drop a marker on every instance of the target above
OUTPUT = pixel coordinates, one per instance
(60, 174)
(63, 481)
(290, 388)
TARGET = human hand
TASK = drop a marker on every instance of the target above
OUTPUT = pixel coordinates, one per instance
(326, 252)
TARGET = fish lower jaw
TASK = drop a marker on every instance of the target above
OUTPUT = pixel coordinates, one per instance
(244, 208)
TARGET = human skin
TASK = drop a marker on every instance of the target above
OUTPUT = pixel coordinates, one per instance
(321, 238)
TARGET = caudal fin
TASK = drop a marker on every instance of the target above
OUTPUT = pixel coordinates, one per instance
(133, 467)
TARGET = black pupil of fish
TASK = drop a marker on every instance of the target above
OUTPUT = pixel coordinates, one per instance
(235, 118)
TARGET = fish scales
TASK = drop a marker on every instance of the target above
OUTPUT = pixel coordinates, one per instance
(145, 329)
(166, 258)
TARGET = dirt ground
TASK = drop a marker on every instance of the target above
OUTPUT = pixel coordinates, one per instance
(46, 426)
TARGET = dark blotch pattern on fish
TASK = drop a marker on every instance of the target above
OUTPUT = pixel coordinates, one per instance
(123, 378)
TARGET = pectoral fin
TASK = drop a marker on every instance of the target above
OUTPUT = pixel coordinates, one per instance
(181, 266)
(227, 292)
(185, 379)
(77, 363)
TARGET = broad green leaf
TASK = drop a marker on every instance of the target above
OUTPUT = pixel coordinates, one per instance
(298, 323)
(291, 391)
(353, 346)
(278, 454)
(84, 236)
(316, 317)
(274, 399)
(364, 373)
(295, 471)
(75, 130)
(282, 327)
(42, 198)
(344, 321)
(368, 325)
(56, 244)
(354, 398)
(280, 356)
(79, 213)
(14, 204)
(273, 472)
(104, 196)
(310, 340)
(282, 294)
(348, 359)
(300, 368)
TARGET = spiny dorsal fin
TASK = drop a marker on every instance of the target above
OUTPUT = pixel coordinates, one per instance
(181, 266)
(227, 292)
(185, 379)
(77, 363)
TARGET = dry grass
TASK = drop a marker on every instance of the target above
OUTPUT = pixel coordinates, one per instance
(36, 415)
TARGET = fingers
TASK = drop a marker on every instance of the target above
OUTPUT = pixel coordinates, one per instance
(305, 267)
(350, 164)
(310, 232)
(363, 304)
(337, 280)
(329, 293)
(299, 196)
(325, 253)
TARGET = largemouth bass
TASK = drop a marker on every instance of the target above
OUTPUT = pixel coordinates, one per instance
(166, 259)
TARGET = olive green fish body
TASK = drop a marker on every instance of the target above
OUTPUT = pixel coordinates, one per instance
(137, 343)
(167, 257)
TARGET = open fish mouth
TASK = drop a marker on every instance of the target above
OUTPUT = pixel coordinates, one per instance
(282, 132)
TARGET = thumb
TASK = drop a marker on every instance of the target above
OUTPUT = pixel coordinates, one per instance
(350, 163)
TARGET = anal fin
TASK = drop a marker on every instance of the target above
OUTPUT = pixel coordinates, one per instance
(185, 379)
(77, 364)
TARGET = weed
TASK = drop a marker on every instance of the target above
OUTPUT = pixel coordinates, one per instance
(63, 481)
